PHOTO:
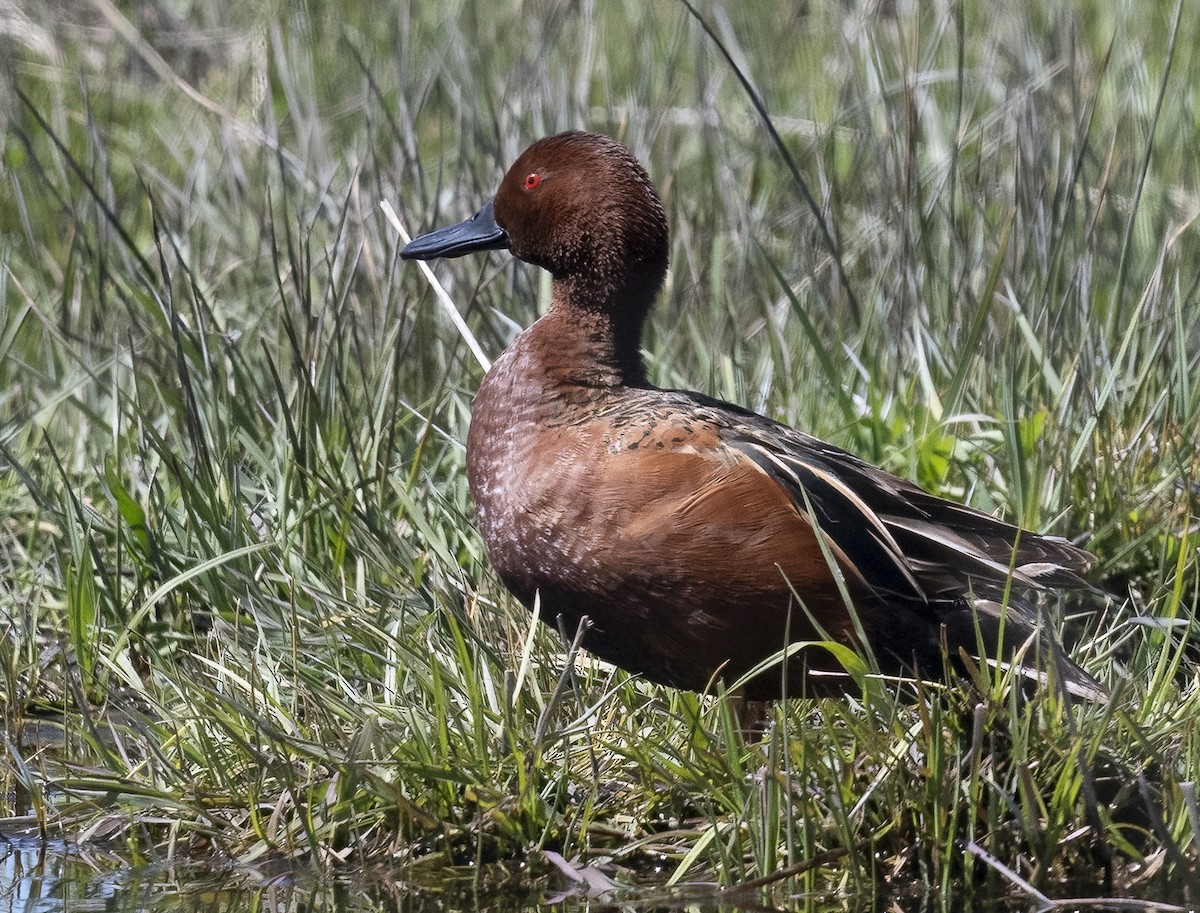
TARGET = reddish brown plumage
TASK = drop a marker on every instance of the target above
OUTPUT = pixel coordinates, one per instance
(686, 528)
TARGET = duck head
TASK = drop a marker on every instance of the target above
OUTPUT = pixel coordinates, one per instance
(581, 206)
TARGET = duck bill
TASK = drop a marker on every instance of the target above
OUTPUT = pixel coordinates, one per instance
(480, 232)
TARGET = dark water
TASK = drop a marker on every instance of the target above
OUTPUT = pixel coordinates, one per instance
(51, 877)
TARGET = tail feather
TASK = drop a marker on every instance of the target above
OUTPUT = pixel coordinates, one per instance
(1017, 637)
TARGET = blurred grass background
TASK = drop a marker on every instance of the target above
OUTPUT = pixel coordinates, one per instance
(244, 606)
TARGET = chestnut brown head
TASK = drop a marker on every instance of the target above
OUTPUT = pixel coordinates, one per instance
(579, 205)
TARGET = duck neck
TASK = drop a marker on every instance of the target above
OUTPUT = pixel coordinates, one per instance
(595, 335)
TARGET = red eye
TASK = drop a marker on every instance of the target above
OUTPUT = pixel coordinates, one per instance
(532, 180)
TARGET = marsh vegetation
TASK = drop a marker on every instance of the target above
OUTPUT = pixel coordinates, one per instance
(246, 613)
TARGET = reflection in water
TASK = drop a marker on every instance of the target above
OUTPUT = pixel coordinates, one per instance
(38, 877)
(42, 877)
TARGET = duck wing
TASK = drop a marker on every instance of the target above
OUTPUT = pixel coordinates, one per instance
(966, 571)
(906, 540)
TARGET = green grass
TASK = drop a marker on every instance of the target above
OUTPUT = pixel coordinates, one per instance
(245, 609)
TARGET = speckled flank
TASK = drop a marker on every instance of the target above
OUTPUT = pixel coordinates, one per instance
(697, 536)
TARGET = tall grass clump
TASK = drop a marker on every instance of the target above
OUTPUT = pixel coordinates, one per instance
(245, 610)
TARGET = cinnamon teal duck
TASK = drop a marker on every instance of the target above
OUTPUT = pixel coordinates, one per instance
(698, 537)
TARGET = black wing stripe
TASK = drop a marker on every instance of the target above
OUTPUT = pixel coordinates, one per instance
(843, 516)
